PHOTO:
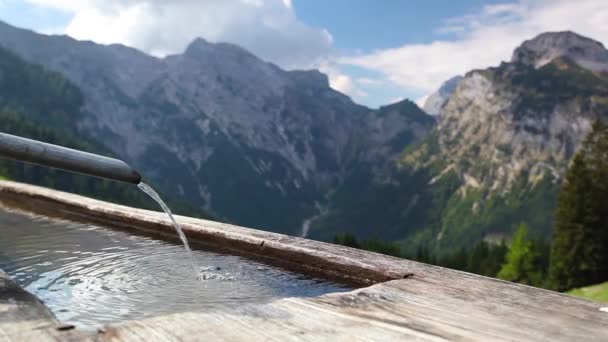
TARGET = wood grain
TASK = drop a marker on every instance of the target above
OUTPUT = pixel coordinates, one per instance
(413, 309)
(409, 301)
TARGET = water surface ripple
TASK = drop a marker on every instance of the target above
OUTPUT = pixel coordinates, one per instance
(90, 275)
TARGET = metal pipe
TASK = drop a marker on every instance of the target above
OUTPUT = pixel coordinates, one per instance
(36, 152)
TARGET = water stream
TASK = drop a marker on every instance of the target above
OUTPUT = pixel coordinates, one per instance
(155, 196)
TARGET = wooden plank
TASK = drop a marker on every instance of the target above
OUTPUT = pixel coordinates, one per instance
(299, 254)
(413, 309)
(417, 301)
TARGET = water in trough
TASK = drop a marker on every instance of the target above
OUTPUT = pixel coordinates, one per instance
(89, 275)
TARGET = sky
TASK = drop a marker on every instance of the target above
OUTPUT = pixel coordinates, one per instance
(376, 51)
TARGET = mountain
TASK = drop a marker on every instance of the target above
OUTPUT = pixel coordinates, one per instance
(435, 102)
(280, 150)
(224, 130)
(43, 105)
(524, 117)
(496, 158)
(546, 47)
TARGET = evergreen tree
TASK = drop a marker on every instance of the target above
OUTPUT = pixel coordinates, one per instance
(477, 256)
(457, 260)
(486, 258)
(379, 246)
(491, 265)
(346, 239)
(579, 253)
(422, 254)
(522, 261)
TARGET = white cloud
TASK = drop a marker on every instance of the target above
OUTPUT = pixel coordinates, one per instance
(268, 28)
(342, 82)
(337, 80)
(369, 81)
(422, 100)
(396, 99)
(482, 39)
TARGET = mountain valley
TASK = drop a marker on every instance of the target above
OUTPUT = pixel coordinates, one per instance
(280, 150)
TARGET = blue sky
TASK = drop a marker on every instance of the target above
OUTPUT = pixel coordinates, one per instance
(24, 14)
(380, 24)
(376, 51)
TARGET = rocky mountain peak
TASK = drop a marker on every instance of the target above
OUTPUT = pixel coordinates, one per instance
(406, 107)
(201, 48)
(310, 78)
(198, 46)
(435, 102)
(548, 46)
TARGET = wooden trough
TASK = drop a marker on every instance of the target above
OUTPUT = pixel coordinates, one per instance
(404, 300)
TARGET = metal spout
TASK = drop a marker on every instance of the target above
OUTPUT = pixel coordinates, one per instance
(36, 152)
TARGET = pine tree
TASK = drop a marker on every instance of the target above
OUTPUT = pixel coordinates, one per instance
(579, 253)
(522, 261)
(346, 239)
(423, 254)
(477, 255)
(486, 258)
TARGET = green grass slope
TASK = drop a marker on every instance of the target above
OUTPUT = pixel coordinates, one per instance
(597, 293)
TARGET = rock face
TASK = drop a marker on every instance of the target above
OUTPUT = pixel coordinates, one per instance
(506, 135)
(501, 146)
(435, 102)
(224, 130)
(528, 116)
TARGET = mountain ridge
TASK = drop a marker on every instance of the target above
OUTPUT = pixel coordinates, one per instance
(495, 159)
(513, 128)
(50, 116)
(281, 150)
(233, 134)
